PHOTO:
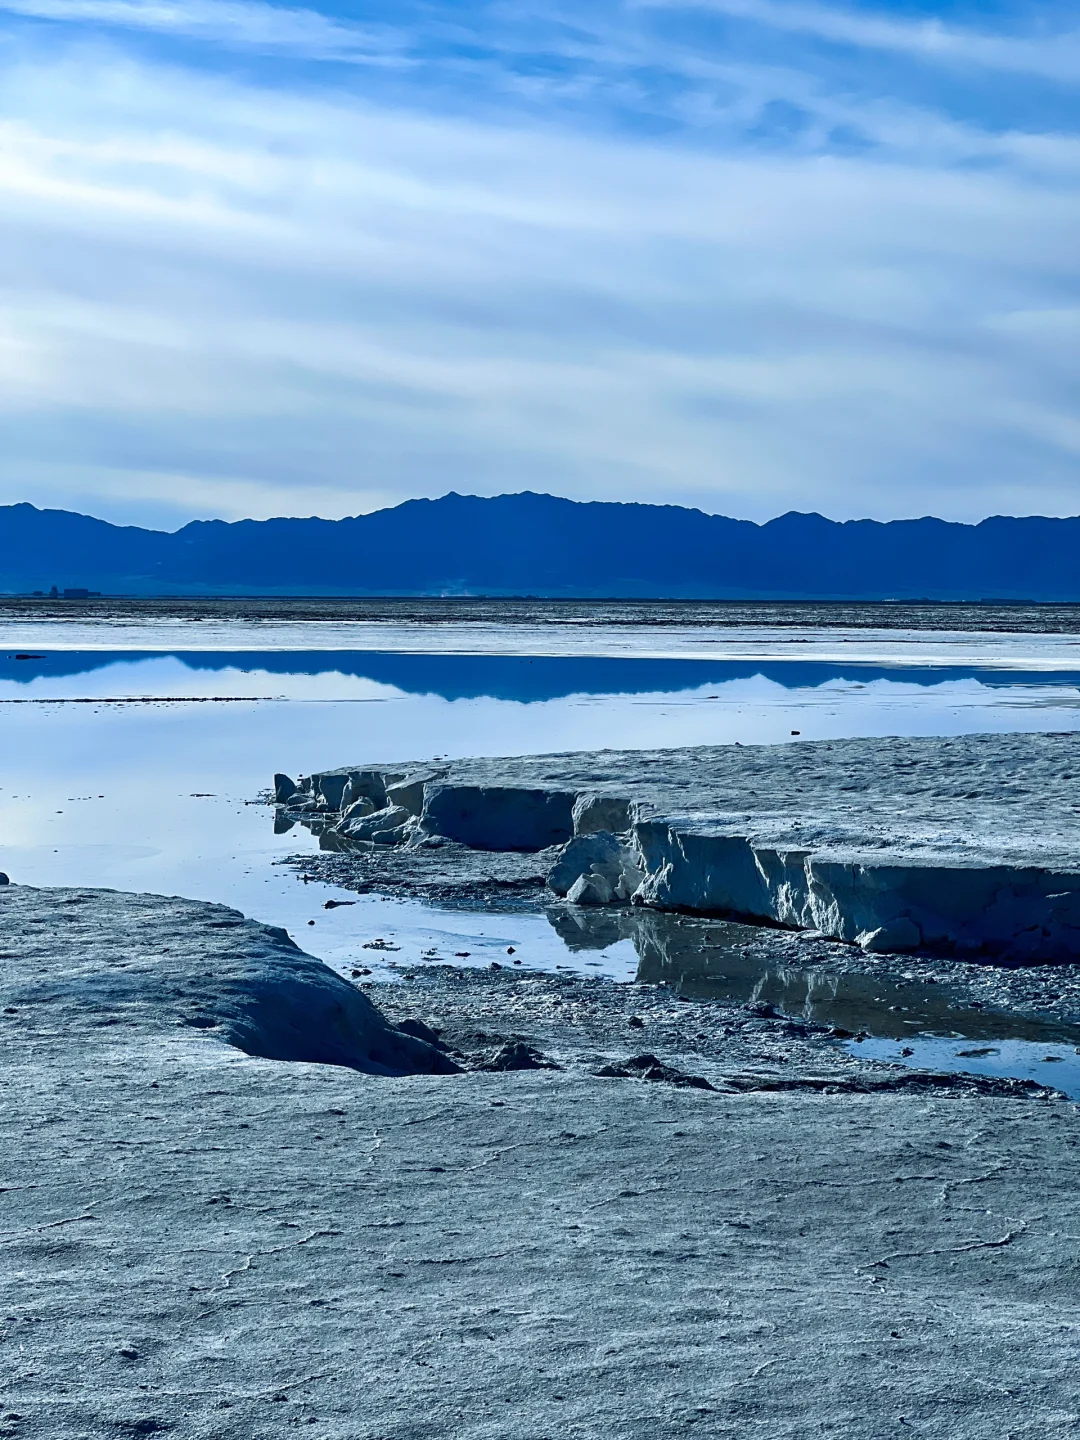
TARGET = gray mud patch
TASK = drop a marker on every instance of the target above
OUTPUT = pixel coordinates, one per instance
(650, 1031)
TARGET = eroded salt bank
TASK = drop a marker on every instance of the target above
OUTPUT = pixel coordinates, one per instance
(967, 846)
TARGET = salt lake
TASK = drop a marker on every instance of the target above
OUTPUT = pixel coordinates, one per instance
(134, 757)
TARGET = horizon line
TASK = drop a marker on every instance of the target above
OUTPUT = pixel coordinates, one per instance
(539, 495)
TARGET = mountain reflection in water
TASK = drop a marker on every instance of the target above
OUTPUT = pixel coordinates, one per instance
(519, 678)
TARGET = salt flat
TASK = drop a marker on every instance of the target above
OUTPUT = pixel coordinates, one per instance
(205, 1243)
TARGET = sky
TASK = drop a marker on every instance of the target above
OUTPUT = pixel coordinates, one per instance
(748, 255)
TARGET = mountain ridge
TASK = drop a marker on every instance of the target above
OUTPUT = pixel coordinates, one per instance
(547, 546)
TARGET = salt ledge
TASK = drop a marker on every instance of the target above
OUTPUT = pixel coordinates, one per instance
(965, 846)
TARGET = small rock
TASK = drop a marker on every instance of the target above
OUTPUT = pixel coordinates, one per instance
(420, 1031)
(516, 1055)
(897, 936)
(590, 889)
(648, 1067)
(284, 788)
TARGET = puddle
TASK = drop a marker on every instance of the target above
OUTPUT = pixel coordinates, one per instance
(909, 1022)
(1049, 1064)
(385, 935)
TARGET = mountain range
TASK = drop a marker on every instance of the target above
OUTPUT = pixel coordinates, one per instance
(541, 545)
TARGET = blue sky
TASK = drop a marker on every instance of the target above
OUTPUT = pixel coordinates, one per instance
(750, 255)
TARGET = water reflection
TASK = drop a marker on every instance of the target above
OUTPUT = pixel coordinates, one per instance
(722, 960)
(904, 1021)
(1047, 1063)
(522, 679)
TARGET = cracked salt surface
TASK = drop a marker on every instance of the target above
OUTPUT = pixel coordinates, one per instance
(143, 790)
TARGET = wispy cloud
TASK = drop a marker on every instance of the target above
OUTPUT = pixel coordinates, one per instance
(1055, 55)
(300, 33)
(650, 268)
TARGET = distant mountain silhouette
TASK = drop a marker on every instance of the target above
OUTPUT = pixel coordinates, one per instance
(541, 545)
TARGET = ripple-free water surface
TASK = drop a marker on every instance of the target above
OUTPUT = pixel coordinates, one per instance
(136, 769)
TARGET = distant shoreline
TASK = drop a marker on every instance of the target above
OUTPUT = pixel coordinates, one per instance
(1033, 617)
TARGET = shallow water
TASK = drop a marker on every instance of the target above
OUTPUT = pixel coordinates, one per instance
(902, 1019)
(1047, 1063)
(136, 769)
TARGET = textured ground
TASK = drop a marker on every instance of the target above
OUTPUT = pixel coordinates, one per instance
(979, 799)
(1024, 618)
(87, 960)
(204, 1243)
(444, 873)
